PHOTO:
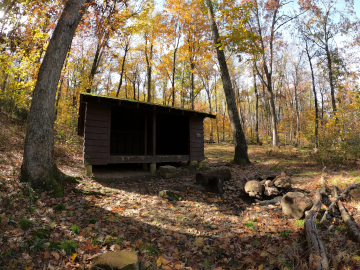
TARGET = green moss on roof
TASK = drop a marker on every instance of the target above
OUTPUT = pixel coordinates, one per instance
(143, 102)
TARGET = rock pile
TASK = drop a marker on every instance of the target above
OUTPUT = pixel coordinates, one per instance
(272, 185)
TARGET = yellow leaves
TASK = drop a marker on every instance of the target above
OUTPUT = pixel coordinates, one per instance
(161, 260)
(73, 257)
(261, 266)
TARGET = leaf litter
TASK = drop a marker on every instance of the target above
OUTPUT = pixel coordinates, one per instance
(202, 231)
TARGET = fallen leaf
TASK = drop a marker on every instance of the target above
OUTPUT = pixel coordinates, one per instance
(46, 255)
(73, 257)
(56, 255)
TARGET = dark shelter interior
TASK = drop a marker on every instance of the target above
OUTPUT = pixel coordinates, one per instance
(132, 133)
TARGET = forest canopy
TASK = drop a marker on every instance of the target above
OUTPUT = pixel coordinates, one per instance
(293, 65)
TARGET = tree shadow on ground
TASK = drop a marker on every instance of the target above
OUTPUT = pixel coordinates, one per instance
(200, 232)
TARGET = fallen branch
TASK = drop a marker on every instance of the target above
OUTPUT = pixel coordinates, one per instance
(351, 228)
(318, 259)
(337, 198)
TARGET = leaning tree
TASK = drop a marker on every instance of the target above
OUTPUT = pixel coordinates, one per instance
(39, 166)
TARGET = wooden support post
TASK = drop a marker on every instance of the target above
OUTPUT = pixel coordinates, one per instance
(154, 134)
(145, 134)
(153, 168)
(199, 164)
(144, 165)
(88, 170)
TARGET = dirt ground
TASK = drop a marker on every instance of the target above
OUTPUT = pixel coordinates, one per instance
(119, 209)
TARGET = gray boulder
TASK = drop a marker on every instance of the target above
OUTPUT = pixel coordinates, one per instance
(118, 260)
(295, 204)
(254, 188)
(170, 195)
(282, 182)
(167, 169)
(271, 191)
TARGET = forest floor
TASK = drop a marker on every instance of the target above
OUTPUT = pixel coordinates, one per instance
(202, 231)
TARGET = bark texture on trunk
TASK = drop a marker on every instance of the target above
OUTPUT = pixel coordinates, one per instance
(38, 166)
(241, 154)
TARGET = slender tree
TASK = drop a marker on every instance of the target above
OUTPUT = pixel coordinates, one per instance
(241, 154)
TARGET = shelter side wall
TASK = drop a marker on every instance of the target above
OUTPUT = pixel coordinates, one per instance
(197, 138)
(97, 133)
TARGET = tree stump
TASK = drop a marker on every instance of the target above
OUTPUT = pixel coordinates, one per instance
(213, 181)
(206, 178)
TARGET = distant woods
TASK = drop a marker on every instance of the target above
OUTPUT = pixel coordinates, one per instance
(293, 73)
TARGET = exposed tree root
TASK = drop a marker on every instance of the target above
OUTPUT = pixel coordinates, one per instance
(318, 259)
(351, 228)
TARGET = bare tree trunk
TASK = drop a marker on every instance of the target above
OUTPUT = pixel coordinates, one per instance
(241, 155)
(331, 78)
(315, 98)
(94, 67)
(149, 68)
(122, 69)
(173, 78)
(39, 166)
(192, 66)
(216, 111)
(297, 118)
(256, 110)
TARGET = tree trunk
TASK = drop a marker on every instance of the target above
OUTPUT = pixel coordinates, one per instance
(275, 141)
(122, 69)
(94, 67)
(39, 166)
(192, 66)
(331, 79)
(297, 117)
(148, 59)
(256, 111)
(241, 155)
(315, 98)
(173, 78)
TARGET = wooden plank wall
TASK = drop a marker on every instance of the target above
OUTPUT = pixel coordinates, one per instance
(97, 133)
(196, 138)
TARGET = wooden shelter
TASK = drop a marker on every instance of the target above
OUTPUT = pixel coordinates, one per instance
(120, 130)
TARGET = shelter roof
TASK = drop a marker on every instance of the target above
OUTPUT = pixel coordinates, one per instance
(144, 105)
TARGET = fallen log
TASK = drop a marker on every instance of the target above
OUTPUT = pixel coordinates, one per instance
(351, 227)
(318, 259)
(206, 178)
(337, 198)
